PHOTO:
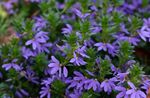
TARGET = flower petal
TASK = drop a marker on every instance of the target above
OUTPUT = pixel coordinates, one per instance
(54, 59)
(65, 72)
(54, 70)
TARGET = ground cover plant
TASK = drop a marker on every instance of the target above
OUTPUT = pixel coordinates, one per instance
(74, 48)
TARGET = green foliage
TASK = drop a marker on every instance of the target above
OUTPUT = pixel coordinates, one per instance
(41, 59)
(87, 95)
(71, 39)
(84, 28)
(126, 52)
(117, 18)
(53, 18)
(58, 89)
(135, 24)
(104, 68)
(4, 23)
(11, 50)
(4, 90)
(118, 2)
(91, 61)
(68, 4)
(18, 22)
(145, 3)
(109, 23)
(40, 63)
(135, 73)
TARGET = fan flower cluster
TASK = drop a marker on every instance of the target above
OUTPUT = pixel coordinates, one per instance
(75, 49)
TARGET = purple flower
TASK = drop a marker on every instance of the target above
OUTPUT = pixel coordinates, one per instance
(12, 65)
(47, 81)
(79, 35)
(77, 82)
(45, 48)
(92, 84)
(122, 93)
(134, 93)
(95, 29)
(80, 15)
(9, 6)
(144, 33)
(1, 75)
(112, 49)
(60, 5)
(77, 5)
(147, 22)
(133, 40)
(21, 93)
(75, 94)
(146, 85)
(145, 30)
(110, 9)
(26, 53)
(64, 47)
(24, 92)
(42, 35)
(89, 73)
(130, 8)
(67, 30)
(45, 92)
(35, 42)
(40, 38)
(82, 51)
(77, 60)
(89, 42)
(108, 85)
(67, 18)
(40, 23)
(101, 46)
(30, 76)
(72, 83)
(115, 70)
(93, 8)
(65, 71)
(136, 3)
(123, 28)
(107, 47)
(38, 1)
(121, 76)
(56, 67)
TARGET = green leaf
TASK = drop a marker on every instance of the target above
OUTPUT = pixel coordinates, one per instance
(90, 94)
(104, 68)
(41, 62)
(135, 73)
(86, 95)
(126, 51)
(72, 39)
(118, 2)
(117, 18)
(91, 61)
(84, 27)
(3, 87)
(4, 23)
(58, 89)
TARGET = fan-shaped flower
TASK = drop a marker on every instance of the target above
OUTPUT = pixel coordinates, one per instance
(12, 65)
(57, 67)
(77, 60)
(134, 92)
